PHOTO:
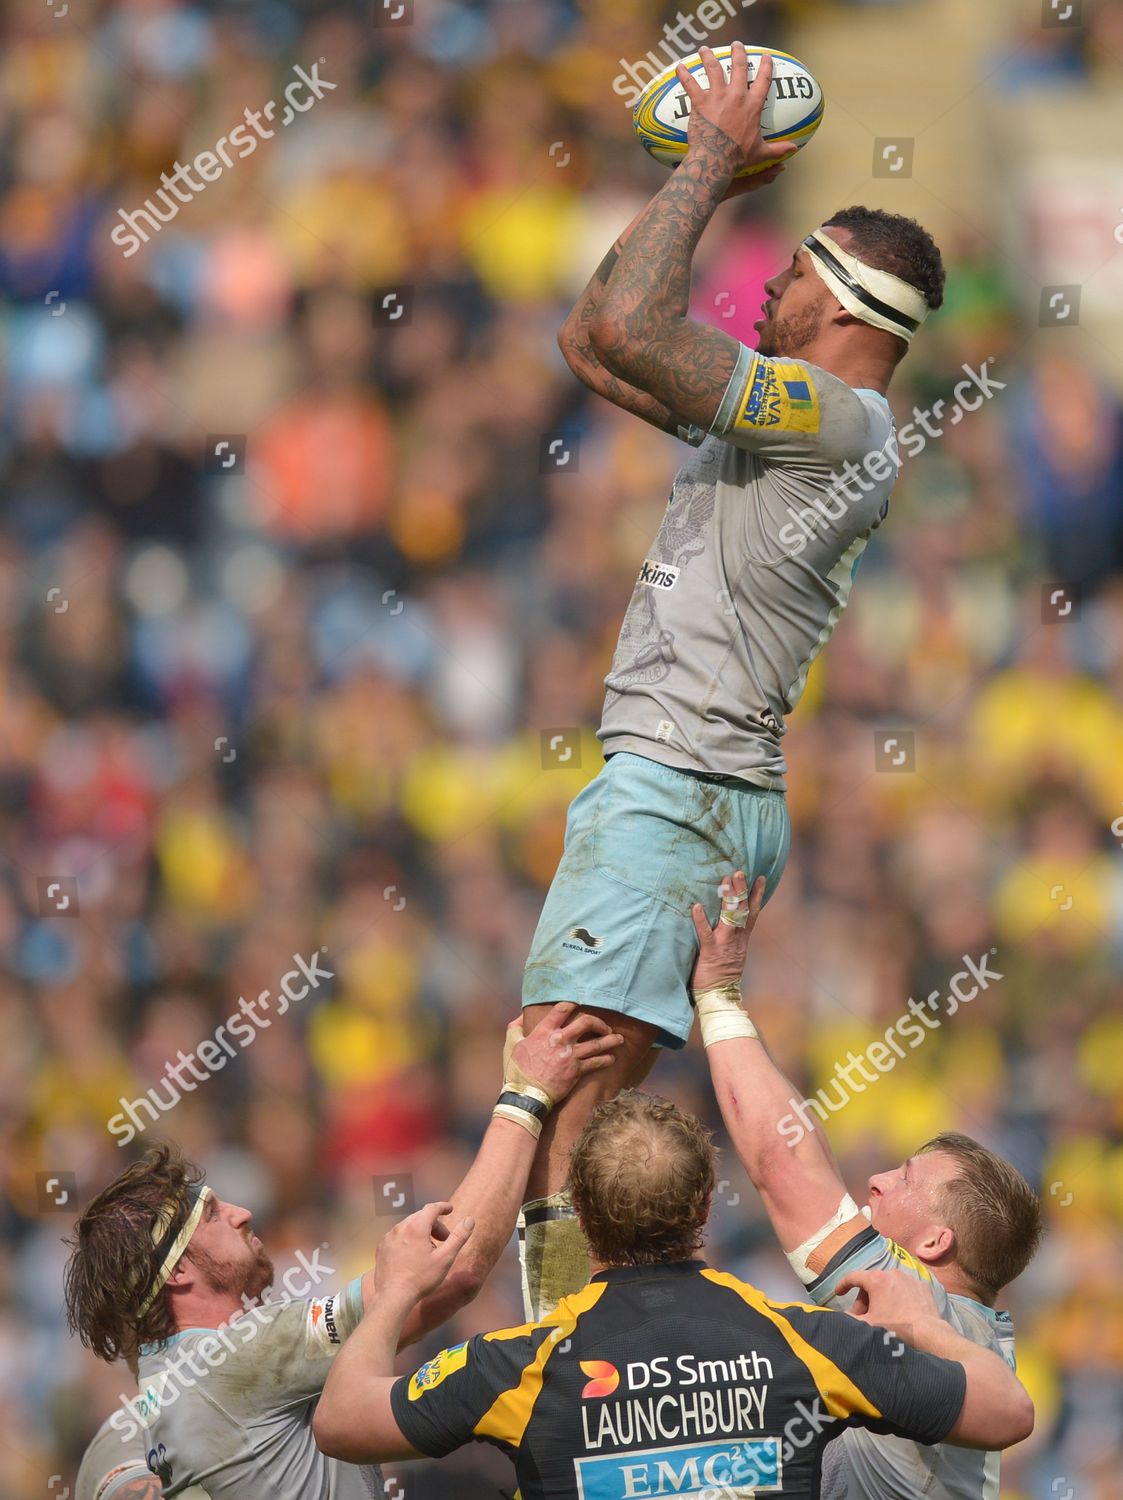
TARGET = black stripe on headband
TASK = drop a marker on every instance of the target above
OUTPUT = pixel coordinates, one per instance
(866, 298)
(168, 1238)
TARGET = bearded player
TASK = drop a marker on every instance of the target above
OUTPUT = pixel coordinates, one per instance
(742, 587)
(170, 1277)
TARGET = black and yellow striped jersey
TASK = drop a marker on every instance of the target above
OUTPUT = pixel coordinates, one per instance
(675, 1380)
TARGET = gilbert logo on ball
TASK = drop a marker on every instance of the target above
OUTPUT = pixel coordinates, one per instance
(792, 111)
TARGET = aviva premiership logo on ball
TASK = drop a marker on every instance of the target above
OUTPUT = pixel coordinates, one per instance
(437, 1369)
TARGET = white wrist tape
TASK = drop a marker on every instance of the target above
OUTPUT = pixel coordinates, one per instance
(527, 1106)
(722, 1015)
(798, 1257)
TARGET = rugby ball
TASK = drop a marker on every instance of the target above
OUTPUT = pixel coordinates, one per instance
(792, 111)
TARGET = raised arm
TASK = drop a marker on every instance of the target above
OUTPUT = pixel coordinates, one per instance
(640, 331)
(573, 341)
(353, 1418)
(786, 1155)
(560, 1051)
(581, 357)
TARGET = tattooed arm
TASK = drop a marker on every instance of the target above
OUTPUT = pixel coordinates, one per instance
(573, 341)
(580, 356)
(640, 331)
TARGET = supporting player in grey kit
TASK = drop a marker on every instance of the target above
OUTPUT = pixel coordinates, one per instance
(751, 569)
(955, 1218)
(115, 1470)
(168, 1276)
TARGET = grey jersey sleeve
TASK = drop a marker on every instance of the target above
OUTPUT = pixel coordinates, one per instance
(871, 1251)
(277, 1355)
(115, 1468)
(787, 409)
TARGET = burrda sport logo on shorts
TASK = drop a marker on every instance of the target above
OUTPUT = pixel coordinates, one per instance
(581, 940)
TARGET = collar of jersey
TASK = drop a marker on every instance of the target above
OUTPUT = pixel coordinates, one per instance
(864, 390)
(146, 1350)
(664, 1268)
(992, 1313)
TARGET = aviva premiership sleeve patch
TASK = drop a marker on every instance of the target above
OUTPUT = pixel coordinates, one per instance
(779, 394)
(437, 1369)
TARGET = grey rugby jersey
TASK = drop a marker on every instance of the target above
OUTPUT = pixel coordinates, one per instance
(862, 1466)
(228, 1412)
(751, 569)
(112, 1466)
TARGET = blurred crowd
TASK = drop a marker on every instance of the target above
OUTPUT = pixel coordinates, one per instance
(298, 691)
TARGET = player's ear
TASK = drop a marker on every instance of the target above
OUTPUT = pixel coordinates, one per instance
(183, 1277)
(844, 319)
(938, 1244)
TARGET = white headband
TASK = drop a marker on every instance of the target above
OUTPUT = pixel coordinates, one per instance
(173, 1251)
(877, 297)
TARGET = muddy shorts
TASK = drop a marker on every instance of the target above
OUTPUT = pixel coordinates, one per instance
(643, 842)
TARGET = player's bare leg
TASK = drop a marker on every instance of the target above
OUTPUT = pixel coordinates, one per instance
(552, 1248)
(630, 1067)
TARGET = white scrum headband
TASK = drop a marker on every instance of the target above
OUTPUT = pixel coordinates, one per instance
(877, 297)
(171, 1247)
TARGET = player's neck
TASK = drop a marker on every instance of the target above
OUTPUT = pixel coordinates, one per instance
(207, 1310)
(957, 1285)
(866, 364)
(596, 1266)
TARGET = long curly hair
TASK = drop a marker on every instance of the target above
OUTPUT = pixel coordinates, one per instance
(641, 1177)
(113, 1261)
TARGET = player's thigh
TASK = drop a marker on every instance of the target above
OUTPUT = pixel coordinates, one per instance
(672, 835)
(765, 835)
(630, 1062)
(643, 843)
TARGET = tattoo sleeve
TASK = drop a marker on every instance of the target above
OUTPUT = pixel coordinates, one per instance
(640, 329)
(582, 359)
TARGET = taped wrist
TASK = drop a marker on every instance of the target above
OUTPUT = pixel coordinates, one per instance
(524, 1103)
(798, 1257)
(721, 1014)
(521, 1099)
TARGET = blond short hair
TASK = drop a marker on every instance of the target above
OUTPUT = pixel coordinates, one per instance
(641, 1177)
(992, 1210)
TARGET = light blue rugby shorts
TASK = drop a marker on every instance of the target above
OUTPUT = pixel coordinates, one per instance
(643, 842)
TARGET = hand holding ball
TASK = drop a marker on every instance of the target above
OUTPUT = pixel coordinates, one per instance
(792, 110)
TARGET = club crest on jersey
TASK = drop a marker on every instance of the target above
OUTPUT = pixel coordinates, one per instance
(779, 394)
(658, 575)
(437, 1369)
